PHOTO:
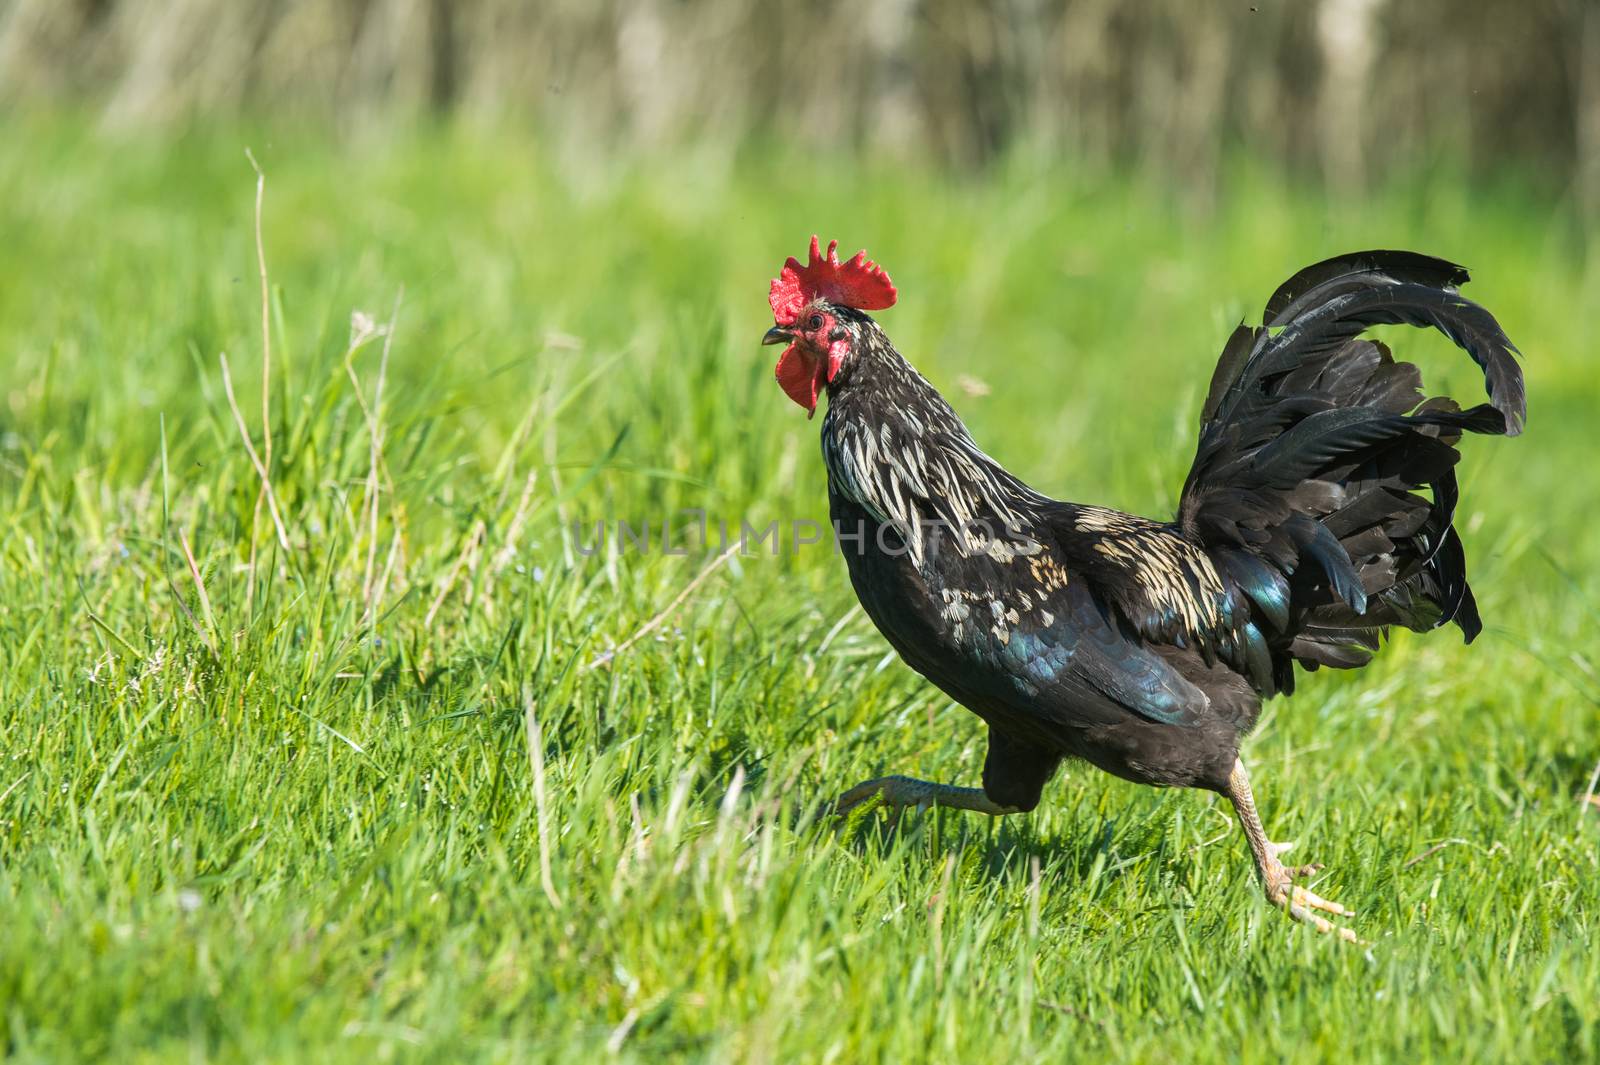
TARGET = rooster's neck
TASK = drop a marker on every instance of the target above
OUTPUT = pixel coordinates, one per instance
(896, 448)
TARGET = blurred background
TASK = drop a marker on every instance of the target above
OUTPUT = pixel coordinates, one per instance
(1351, 90)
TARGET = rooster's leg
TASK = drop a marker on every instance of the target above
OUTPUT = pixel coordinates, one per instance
(908, 791)
(1276, 880)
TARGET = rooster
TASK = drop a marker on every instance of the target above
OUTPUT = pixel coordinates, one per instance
(1146, 647)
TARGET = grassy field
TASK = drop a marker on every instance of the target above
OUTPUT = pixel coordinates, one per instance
(384, 766)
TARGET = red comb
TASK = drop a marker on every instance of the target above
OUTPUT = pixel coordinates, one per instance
(859, 283)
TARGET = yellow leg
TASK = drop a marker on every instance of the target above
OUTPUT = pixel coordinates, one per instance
(908, 791)
(1276, 880)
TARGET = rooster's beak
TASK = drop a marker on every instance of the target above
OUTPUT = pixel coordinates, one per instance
(777, 335)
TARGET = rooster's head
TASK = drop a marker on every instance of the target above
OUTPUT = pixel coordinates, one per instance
(806, 300)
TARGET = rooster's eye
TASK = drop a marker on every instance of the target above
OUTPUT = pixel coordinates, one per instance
(814, 322)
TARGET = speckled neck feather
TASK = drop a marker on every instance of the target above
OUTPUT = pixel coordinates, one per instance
(895, 446)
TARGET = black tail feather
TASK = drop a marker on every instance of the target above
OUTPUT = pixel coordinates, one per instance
(1315, 444)
(1310, 286)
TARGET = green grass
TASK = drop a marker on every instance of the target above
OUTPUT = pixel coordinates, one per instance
(281, 806)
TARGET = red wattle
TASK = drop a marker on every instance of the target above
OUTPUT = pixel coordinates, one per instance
(799, 375)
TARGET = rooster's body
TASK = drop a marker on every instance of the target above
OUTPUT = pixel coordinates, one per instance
(1146, 647)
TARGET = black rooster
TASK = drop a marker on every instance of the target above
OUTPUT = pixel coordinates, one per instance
(1146, 647)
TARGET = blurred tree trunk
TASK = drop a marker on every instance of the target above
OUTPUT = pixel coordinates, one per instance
(1346, 30)
(1587, 112)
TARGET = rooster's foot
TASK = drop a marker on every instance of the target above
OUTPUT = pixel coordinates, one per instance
(1299, 903)
(1277, 880)
(1296, 872)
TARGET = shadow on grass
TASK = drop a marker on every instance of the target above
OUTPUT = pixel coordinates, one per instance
(1003, 849)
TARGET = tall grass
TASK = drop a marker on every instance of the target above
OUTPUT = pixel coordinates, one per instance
(407, 781)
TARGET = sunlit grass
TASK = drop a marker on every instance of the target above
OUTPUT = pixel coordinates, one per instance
(280, 803)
